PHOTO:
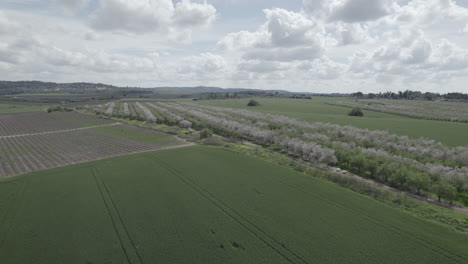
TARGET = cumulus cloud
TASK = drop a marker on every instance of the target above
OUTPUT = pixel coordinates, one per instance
(350, 11)
(203, 64)
(145, 16)
(362, 10)
(72, 5)
(188, 14)
(285, 54)
(286, 36)
(260, 66)
(412, 58)
(324, 69)
(6, 25)
(428, 11)
(243, 39)
(352, 33)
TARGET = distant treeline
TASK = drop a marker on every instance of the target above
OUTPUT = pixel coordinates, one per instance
(413, 95)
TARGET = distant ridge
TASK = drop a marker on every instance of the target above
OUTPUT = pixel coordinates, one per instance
(19, 87)
(210, 89)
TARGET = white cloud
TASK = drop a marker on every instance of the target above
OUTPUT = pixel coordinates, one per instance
(352, 11)
(188, 14)
(72, 5)
(170, 22)
(428, 11)
(133, 16)
(202, 65)
(243, 39)
(352, 33)
(148, 16)
(286, 36)
(6, 25)
(285, 54)
(260, 66)
(328, 45)
(91, 35)
(411, 57)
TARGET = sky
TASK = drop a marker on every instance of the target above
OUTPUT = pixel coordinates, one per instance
(322, 46)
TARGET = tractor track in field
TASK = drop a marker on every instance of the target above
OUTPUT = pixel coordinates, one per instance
(391, 228)
(128, 246)
(260, 234)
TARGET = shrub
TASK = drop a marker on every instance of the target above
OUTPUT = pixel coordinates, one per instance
(185, 124)
(356, 111)
(205, 133)
(213, 141)
(252, 102)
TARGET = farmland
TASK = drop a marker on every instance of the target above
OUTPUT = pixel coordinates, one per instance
(201, 211)
(315, 110)
(434, 110)
(37, 141)
(420, 166)
(124, 197)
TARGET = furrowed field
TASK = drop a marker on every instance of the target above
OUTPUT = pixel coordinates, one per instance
(37, 140)
(205, 205)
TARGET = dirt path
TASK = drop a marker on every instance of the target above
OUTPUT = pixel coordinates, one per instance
(59, 131)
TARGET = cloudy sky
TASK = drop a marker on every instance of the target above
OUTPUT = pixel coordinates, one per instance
(298, 45)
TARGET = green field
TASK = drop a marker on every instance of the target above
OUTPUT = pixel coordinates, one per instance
(205, 205)
(7, 108)
(450, 133)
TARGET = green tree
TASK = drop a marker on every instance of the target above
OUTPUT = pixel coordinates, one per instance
(399, 176)
(358, 161)
(253, 102)
(445, 190)
(418, 181)
(385, 171)
(356, 111)
(205, 133)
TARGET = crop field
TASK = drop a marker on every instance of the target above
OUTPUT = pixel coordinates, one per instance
(415, 165)
(315, 110)
(36, 141)
(434, 110)
(7, 105)
(216, 206)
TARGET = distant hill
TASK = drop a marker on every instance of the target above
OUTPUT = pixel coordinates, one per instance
(38, 87)
(207, 89)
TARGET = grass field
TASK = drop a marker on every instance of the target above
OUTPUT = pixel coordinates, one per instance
(205, 205)
(450, 133)
(15, 108)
